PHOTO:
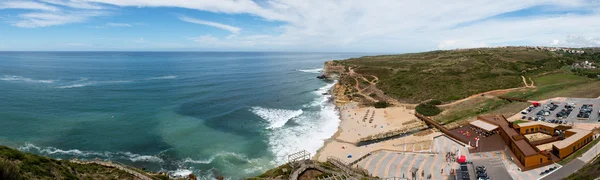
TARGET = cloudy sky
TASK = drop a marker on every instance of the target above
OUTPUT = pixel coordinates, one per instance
(295, 25)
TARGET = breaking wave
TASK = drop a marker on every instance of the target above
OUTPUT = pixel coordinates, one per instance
(314, 127)
(276, 117)
(220, 155)
(28, 147)
(316, 70)
(25, 79)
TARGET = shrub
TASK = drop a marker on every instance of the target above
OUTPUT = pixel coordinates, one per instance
(428, 109)
(8, 170)
(435, 102)
(381, 104)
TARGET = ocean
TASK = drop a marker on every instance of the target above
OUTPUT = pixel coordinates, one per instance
(234, 114)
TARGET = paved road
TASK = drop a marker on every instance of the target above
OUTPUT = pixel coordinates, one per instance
(574, 165)
(566, 170)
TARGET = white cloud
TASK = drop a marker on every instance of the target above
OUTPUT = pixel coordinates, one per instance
(27, 5)
(44, 19)
(383, 25)
(232, 29)
(50, 12)
(390, 25)
(78, 4)
(578, 41)
(118, 25)
(453, 44)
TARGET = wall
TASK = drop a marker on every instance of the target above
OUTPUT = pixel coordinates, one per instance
(563, 153)
(534, 161)
(527, 130)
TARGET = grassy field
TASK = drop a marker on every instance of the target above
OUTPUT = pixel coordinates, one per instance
(558, 78)
(471, 108)
(453, 75)
(582, 88)
(18, 165)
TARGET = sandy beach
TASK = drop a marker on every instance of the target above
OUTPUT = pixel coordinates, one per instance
(360, 122)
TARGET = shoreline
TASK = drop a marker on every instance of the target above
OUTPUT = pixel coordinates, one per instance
(339, 129)
(356, 123)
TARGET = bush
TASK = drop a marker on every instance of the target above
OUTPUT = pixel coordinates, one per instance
(11, 154)
(381, 104)
(435, 102)
(9, 171)
(428, 109)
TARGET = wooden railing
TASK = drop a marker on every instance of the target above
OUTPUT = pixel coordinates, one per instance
(360, 172)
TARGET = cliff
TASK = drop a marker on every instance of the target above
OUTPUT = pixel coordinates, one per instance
(19, 165)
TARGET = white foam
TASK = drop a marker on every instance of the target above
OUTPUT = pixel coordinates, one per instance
(162, 77)
(313, 129)
(24, 79)
(74, 86)
(145, 158)
(221, 155)
(276, 117)
(315, 71)
(90, 83)
(180, 173)
(78, 153)
(322, 98)
(253, 169)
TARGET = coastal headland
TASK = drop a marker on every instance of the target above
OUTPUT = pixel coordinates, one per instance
(377, 98)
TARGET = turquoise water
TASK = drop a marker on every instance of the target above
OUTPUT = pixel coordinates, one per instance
(221, 113)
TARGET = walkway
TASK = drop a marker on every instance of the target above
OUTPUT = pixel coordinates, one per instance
(398, 164)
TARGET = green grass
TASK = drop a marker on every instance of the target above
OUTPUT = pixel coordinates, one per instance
(558, 78)
(31, 166)
(581, 89)
(453, 75)
(278, 172)
(579, 152)
(471, 109)
(519, 122)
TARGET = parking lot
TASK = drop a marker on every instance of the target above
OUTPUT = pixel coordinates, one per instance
(572, 117)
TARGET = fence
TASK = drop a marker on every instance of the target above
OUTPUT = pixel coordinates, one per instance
(347, 169)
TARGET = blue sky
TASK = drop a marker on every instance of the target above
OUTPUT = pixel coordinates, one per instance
(293, 25)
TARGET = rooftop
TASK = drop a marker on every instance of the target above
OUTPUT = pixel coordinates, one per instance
(534, 123)
(522, 144)
(579, 133)
(484, 125)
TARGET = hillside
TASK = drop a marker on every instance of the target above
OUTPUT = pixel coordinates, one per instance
(452, 75)
(19, 165)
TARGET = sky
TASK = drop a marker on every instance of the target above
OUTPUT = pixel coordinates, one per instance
(396, 26)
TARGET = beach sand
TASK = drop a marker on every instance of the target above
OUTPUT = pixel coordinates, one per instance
(352, 128)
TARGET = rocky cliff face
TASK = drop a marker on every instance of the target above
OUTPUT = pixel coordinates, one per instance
(333, 70)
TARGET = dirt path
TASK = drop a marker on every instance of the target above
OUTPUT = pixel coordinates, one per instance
(525, 82)
(489, 94)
